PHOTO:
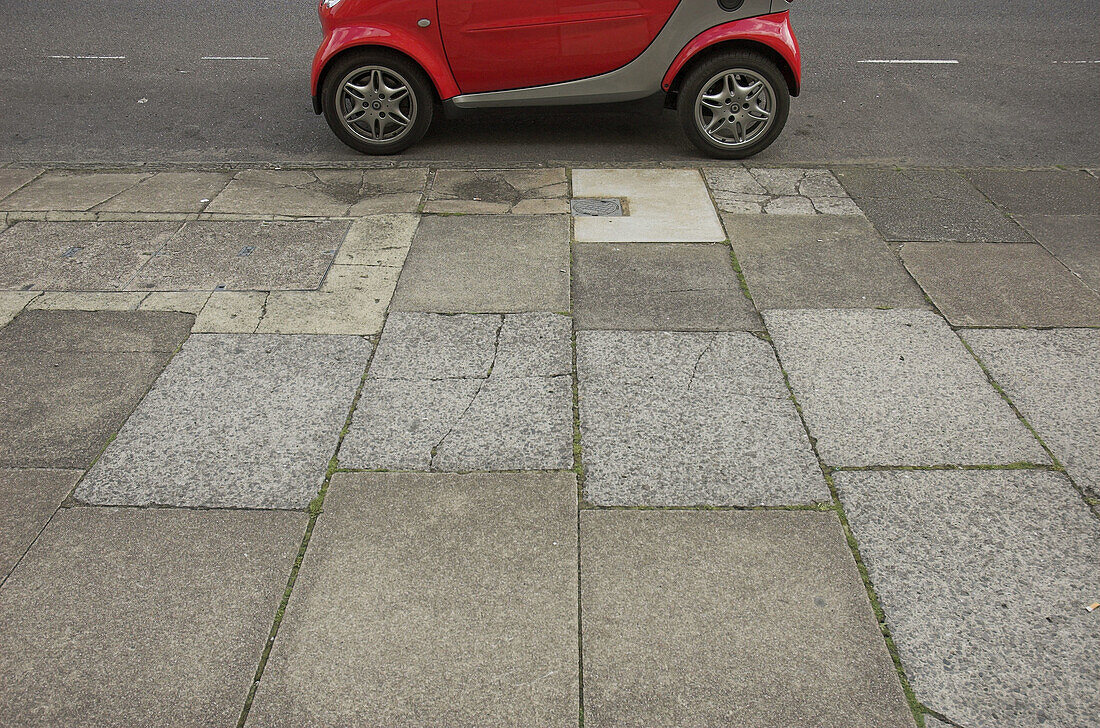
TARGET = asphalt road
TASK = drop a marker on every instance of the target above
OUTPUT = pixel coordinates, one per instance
(1025, 91)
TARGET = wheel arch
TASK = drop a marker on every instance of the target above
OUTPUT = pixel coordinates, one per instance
(733, 44)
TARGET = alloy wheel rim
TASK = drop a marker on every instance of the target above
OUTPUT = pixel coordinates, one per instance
(735, 108)
(376, 104)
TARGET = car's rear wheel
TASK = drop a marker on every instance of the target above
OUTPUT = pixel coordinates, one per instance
(734, 104)
(377, 102)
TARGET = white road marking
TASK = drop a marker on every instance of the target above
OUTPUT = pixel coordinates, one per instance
(90, 58)
(915, 61)
(1075, 63)
(235, 58)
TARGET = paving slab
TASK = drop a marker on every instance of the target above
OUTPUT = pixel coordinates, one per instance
(352, 300)
(185, 301)
(13, 302)
(499, 191)
(651, 286)
(235, 422)
(928, 205)
(321, 193)
(1072, 239)
(895, 388)
(1053, 378)
(28, 497)
(126, 617)
(1039, 191)
(63, 394)
(687, 419)
(487, 264)
(792, 261)
(231, 312)
(169, 192)
(257, 255)
(457, 608)
(984, 577)
(71, 190)
(791, 191)
(13, 179)
(991, 284)
(662, 206)
(86, 301)
(750, 618)
(463, 393)
(78, 256)
(378, 240)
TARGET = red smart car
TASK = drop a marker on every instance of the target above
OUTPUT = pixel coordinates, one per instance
(729, 67)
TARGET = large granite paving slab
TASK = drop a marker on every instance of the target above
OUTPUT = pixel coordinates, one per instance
(651, 286)
(321, 192)
(141, 617)
(253, 255)
(895, 388)
(499, 191)
(28, 497)
(685, 419)
(729, 618)
(466, 392)
(1039, 191)
(76, 191)
(235, 421)
(69, 379)
(991, 284)
(1053, 377)
(984, 577)
(78, 256)
(432, 600)
(928, 205)
(801, 261)
(487, 264)
(1072, 239)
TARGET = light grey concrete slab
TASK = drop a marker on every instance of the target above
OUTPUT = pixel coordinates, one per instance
(820, 261)
(516, 191)
(1039, 191)
(28, 497)
(989, 284)
(12, 303)
(235, 421)
(1053, 377)
(1073, 239)
(353, 300)
(678, 287)
(933, 722)
(127, 617)
(749, 618)
(70, 190)
(320, 193)
(458, 608)
(13, 179)
(68, 380)
(433, 346)
(78, 256)
(208, 255)
(169, 192)
(895, 388)
(786, 190)
(534, 345)
(486, 264)
(984, 577)
(382, 240)
(683, 419)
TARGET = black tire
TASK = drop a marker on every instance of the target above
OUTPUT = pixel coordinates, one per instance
(703, 74)
(422, 104)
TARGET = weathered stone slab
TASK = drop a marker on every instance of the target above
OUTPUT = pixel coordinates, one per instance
(895, 388)
(1039, 191)
(685, 419)
(13, 302)
(234, 421)
(231, 312)
(487, 264)
(378, 240)
(819, 262)
(984, 577)
(707, 618)
(1073, 239)
(28, 497)
(1053, 377)
(184, 301)
(431, 346)
(127, 617)
(499, 191)
(785, 191)
(95, 331)
(352, 300)
(662, 206)
(13, 179)
(321, 193)
(988, 284)
(459, 607)
(70, 190)
(209, 255)
(681, 287)
(169, 192)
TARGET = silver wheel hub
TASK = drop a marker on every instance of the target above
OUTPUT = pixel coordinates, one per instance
(735, 107)
(376, 104)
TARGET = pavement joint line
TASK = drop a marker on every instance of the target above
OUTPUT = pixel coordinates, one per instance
(316, 507)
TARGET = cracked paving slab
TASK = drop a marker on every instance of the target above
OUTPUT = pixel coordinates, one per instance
(984, 577)
(321, 193)
(13, 179)
(895, 388)
(500, 191)
(687, 419)
(779, 191)
(235, 421)
(80, 191)
(467, 392)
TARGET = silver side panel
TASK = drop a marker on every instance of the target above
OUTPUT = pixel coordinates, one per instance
(637, 79)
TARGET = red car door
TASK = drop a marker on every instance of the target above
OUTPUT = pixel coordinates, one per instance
(494, 45)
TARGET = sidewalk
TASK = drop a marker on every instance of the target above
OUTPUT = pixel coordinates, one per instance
(427, 447)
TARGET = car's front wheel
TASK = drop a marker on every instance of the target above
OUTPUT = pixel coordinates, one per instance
(734, 104)
(377, 102)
